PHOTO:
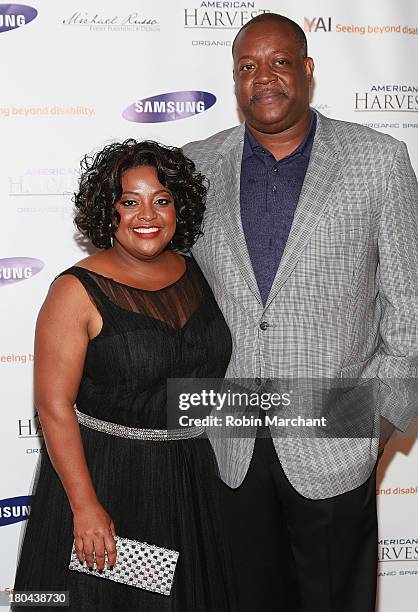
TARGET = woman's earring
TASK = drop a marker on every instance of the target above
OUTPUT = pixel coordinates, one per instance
(111, 234)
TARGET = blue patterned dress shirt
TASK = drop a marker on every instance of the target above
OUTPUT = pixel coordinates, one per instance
(269, 193)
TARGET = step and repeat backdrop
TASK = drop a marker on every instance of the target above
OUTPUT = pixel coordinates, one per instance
(77, 75)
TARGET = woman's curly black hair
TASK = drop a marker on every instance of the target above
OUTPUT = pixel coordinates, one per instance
(101, 187)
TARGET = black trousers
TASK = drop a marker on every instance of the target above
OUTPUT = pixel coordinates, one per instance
(293, 554)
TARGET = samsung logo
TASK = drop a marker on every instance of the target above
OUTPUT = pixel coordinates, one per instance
(14, 509)
(169, 106)
(190, 107)
(16, 269)
(13, 16)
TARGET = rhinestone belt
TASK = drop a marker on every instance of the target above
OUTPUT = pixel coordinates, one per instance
(153, 435)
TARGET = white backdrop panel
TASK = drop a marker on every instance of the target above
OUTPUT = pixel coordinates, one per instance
(68, 75)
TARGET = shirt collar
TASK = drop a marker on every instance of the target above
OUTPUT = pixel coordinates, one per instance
(253, 147)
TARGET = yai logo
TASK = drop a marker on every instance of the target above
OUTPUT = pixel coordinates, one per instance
(13, 16)
(169, 106)
(14, 509)
(317, 24)
(15, 269)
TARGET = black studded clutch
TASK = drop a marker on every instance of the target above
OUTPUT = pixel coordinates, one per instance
(138, 564)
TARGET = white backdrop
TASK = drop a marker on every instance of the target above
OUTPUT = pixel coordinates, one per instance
(70, 70)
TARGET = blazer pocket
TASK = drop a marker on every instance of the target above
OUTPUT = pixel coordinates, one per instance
(370, 366)
(345, 229)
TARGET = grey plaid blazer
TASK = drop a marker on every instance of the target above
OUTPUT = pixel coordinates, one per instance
(344, 302)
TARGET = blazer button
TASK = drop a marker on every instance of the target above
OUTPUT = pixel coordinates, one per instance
(264, 325)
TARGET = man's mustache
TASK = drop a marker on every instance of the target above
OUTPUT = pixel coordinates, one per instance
(267, 92)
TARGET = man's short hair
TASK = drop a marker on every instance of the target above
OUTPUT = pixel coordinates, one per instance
(276, 18)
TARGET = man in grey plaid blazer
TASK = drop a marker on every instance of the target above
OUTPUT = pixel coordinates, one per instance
(341, 304)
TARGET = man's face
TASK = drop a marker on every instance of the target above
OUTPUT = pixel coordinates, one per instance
(271, 77)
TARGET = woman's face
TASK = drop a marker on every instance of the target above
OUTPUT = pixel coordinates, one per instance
(147, 214)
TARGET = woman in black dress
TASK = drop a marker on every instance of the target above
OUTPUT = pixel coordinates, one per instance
(112, 330)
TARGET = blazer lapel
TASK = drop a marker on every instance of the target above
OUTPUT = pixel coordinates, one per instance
(321, 176)
(229, 207)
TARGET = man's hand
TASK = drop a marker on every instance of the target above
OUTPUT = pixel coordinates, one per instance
(386, 430)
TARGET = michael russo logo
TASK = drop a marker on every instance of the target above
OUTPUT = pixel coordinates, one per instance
(14, 509)
(100, 22)
(387, 98)
(17, 269)
(226, 15)
(14, 16)
(169, 106)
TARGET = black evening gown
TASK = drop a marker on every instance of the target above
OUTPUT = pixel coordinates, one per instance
(161, 492)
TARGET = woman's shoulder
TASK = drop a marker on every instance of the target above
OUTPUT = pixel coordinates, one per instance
(81, 270)
(68, 286)
(72, 282)
(94, 262)
(67, 297)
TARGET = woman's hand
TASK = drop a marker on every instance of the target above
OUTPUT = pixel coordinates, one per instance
(94, 532)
